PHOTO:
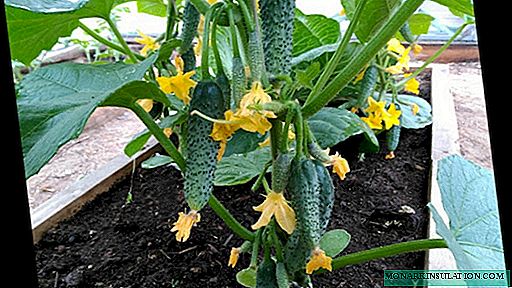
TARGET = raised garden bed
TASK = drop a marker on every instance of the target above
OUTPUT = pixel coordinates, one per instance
(109, 243)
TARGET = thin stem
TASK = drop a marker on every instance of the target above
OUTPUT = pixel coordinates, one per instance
(256, 249)
(284, 138)
(215, 47)
(160, 136)
(121, 40)
(201, 5)
(275, 133)
(386, 251)
(171, 19)
(266, 186)
(336, 58)
(260, 178)
(299, 133)
(205, 73)
(247, 15)
(99, 38)
(387, 31)
(435, 56)
(230, 221)
(206, 117)
(232, 27)
(277, 243)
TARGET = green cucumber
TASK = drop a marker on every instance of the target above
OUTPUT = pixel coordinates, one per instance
(201, 149)
(223, 82)
(280, 171)
(266, 274)
(297, 251)
(277, 19)
(191, 19)
(256, 56)
(318, 153)
(406, 32)
(189, 60)
(238, 82)
(326, 195)
(393, 134)
(367, 85)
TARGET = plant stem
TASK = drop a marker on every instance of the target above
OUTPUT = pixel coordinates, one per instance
(256, 249)
(284, 138)
(299, 133)
(275, 133)
(336, 58)
(215, 47)
(160, 136)
(387, 31)
(205, 73)
(260, 178)
(386, 251)
(99, 38)
(435, 56)
(171, 19)
(247, 15)
(230, 221)
(121, 40)
(277, 243)
(201, 5)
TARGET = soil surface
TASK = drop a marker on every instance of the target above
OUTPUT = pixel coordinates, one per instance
(113, 244)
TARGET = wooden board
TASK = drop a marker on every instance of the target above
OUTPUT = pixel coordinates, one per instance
(67, 202)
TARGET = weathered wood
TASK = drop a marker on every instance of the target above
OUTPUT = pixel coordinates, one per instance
(454, 53)
(66, 203)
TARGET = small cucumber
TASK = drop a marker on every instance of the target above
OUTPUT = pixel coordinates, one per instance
(239, 81)
(393, 134)
(326, 195)
(281, 171)
(256, 56)
(406, 32)
(189, 60)
(266, 274)
(201, 149)
(367, 85)
(191, 19)
(223, 82)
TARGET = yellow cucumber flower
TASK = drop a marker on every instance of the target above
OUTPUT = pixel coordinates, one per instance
(359, 76)
(167, 132)
(394, 45)
(146, 104)
(179, 64)
(416, 49)
(392, 117)
(342, 12)
(339, 165)
(402, 63)
(415, 109)
(148, 42)
(233, 257)
(250, 119)
(390, 155)
(223, 131)
(180, 85)
(374, 121)
(276, 205)
(318, 260)
(184, 224)
(412, 85)
(374, 106)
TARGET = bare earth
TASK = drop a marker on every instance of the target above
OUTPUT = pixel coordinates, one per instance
(110, 129)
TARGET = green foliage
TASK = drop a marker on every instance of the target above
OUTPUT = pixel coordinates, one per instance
(243, 142)
(152, 7)
(56, 101)
(266, 274)
(47, 6)
(333, 242)
(420, 23)
(333, 125)
(241, 168)
(469, 198)
(458, 7)
(408, 119)
(156, 161)
(313, 31)
(247, 277)
(282, 276)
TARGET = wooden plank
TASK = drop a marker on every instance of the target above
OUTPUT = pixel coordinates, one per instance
(66, 203)
(454, 53)
(445, 141)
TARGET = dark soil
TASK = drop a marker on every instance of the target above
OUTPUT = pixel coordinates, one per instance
(113, 244)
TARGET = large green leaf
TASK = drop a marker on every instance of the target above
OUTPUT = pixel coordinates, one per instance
(156, 161)
(375, 13)
(333, 125)
(247, 277)
(313, 31)
(334, 242)
(469, 199)
(458, 7)
(241, 168)
(47, 6)
(410, 121)
(55, 102)
(243, 142)
(31, 32)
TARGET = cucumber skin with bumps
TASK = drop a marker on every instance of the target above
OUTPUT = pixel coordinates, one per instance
(201, 149)
(393, 135)
(326, 195)
(239, 81)
(266, 274)
(367, 84)
(191, 19)
(281, 171)
(277, 17)
(189, 60)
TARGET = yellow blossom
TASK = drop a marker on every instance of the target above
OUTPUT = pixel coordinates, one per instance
(233, 257)
(167, 132)
(148, 42)
(339, 165)
(255, 96)
(395, 69)
(178, 62)
(392, 117)
(222, 131)
(374, 121)
(402, 63)
(354, 109)
(184, 224)
(416, 49)
(412, 85)
(394, 45)
(390, 155)
(180, 85)
(318, 260)
(359, 76)
(343, 12)
(222, 150)
(374, 106)
(415, 109)
(146, 104)
(276, 204)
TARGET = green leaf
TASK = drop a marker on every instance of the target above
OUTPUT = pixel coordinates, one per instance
(134, 91)
(156, 161)
(420, 23)
(334, 242)
(225, 51)
(458, 6)
(333, 125)
(469, 199)
(152, 7)
(241, 168)
(282, 276)
(136, 144)
(31, 32)
(247, 277)
(47, 6)
(409, 120)
(55, 102)
(165, 51)
(313, 31)
(243, 142)
(374, 14)
(305, 77)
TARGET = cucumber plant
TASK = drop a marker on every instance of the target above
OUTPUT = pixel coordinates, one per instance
(265, 83)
